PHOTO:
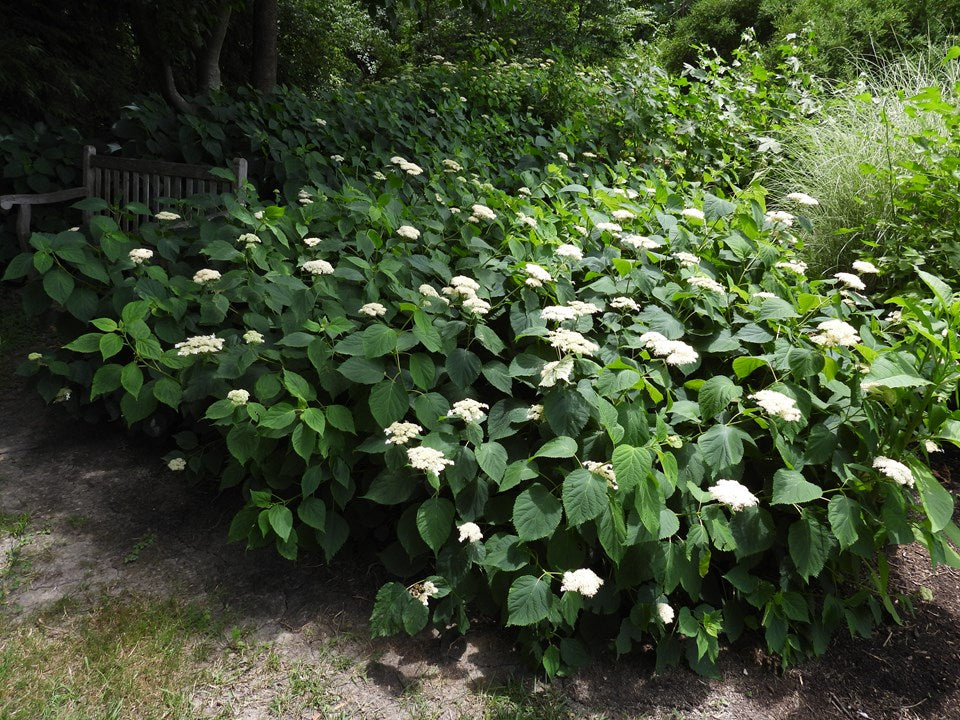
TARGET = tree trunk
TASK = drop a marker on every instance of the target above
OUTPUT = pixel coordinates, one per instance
(208, 70)
(264, 75)
(143, 23)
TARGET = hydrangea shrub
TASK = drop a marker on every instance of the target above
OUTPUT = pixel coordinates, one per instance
(609, 410)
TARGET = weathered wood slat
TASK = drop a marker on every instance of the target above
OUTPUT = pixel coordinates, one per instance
(153, 167)
(8, 201)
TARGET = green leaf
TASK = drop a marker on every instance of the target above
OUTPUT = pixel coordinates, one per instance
(106, 379)
(314, 419)
(378, 340)
(425, 332)
(296, 340)
(631, 465)
(566, 411)
(536, 513)
(58, 284)
(131, 377)
(722, 446)
(341, 418)
(423, 371)
(242, 442)
(435, 521)
(313, 512)
(715, 208)
(715, 394)
(492, 459)
(298, 386)
(937, 501)
(516, 473)
(894, 370)
(110, 345)
(809, 544)
(943, 291)
(362, 370)
(87, 343)
(463, 367)
(387, 616)
(489, 339)
(278, 417)
(168, 391)
(528, 600)
(743, 366)
(388, 402)
(558, 447)
(776, 309)
(844, 516)
(584, 496)
(303, 440)
(790, 487)
(281, 520)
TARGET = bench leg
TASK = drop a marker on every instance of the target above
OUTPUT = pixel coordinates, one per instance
(23, 227)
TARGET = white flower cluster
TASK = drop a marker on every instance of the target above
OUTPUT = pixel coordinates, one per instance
(206, 275)
(778, 405)
(451, 166)
(466, 288)
(373, 309)
(178, 464)
(248, 239)
(318, 267)
(640, 242)
(400, 433)
(35, 356)
(583, 308)
(686, 259)
(707, 283)
(802, 199)
(624, 303)
(665, 613)
(779, 217)
(623, 215)
(583, 581)
(538, 275)
(534, 412)
(850, 280)
(527, 220)
(63, 394)
(304, 197)
(483, 212)
(931, 447)
(674, 352)
(425, 458)
(252, 337)
(469, 410)
(470, 532)
(764, 295)
(167, 216)
(311, 241)
(604, 470)
(238, 397)
(409, 232)
(408, 167)
(733, 494)
(557, 313)
(337, 158)
(834, 333)
(865, 267)
(797, 266)
(199, 345)
(894, 470)
(570, 341)
(422, 592)
(570, 251)
(556, 370)
(610, 227)
(138, 256)
(692, 213)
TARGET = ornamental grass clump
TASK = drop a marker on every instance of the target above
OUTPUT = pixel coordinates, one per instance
(607, 455)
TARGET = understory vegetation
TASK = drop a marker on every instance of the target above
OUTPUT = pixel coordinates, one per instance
(615, 355)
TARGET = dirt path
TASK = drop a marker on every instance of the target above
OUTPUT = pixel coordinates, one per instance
(105, 516)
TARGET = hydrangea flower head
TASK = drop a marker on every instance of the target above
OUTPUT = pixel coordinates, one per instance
(777, 404)
(584, 581)
(470, 532)
(238, 397)
(206, 275)
(318, 267)
(373, 309)
(896, 471)
(733, 494)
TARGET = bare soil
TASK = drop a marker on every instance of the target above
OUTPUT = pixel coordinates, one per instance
(107, 516)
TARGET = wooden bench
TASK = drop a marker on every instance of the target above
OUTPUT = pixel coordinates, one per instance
(119, 181)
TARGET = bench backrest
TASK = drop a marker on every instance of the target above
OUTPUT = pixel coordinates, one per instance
(153, 183)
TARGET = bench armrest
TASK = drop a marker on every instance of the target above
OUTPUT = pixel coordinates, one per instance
(8, 201)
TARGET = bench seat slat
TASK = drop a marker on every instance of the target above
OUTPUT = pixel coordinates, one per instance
(153, 167)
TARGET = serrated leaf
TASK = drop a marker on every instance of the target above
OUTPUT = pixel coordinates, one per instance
(435, 521)
(314, 419)
(313, 512)
(844, 516)
(242, 442)
(558, 447)
(131, 378)
(809, 544)
(937, 501)
(528, 600)
(584, 496)
(362, 370)
(463, 367)
(110, 345)
(743, 366)
(492, 459)
(388, 402)
(168, 391)
(566, 411)
(536, 513)
(281, 521)
(715, 394)
(341, 418)
(489, 339)
(790, 487)
(378, 340)
(631, 465)
(58, 284)
(298, 386)
(86, 343)
(722, 446)
(423, 371)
